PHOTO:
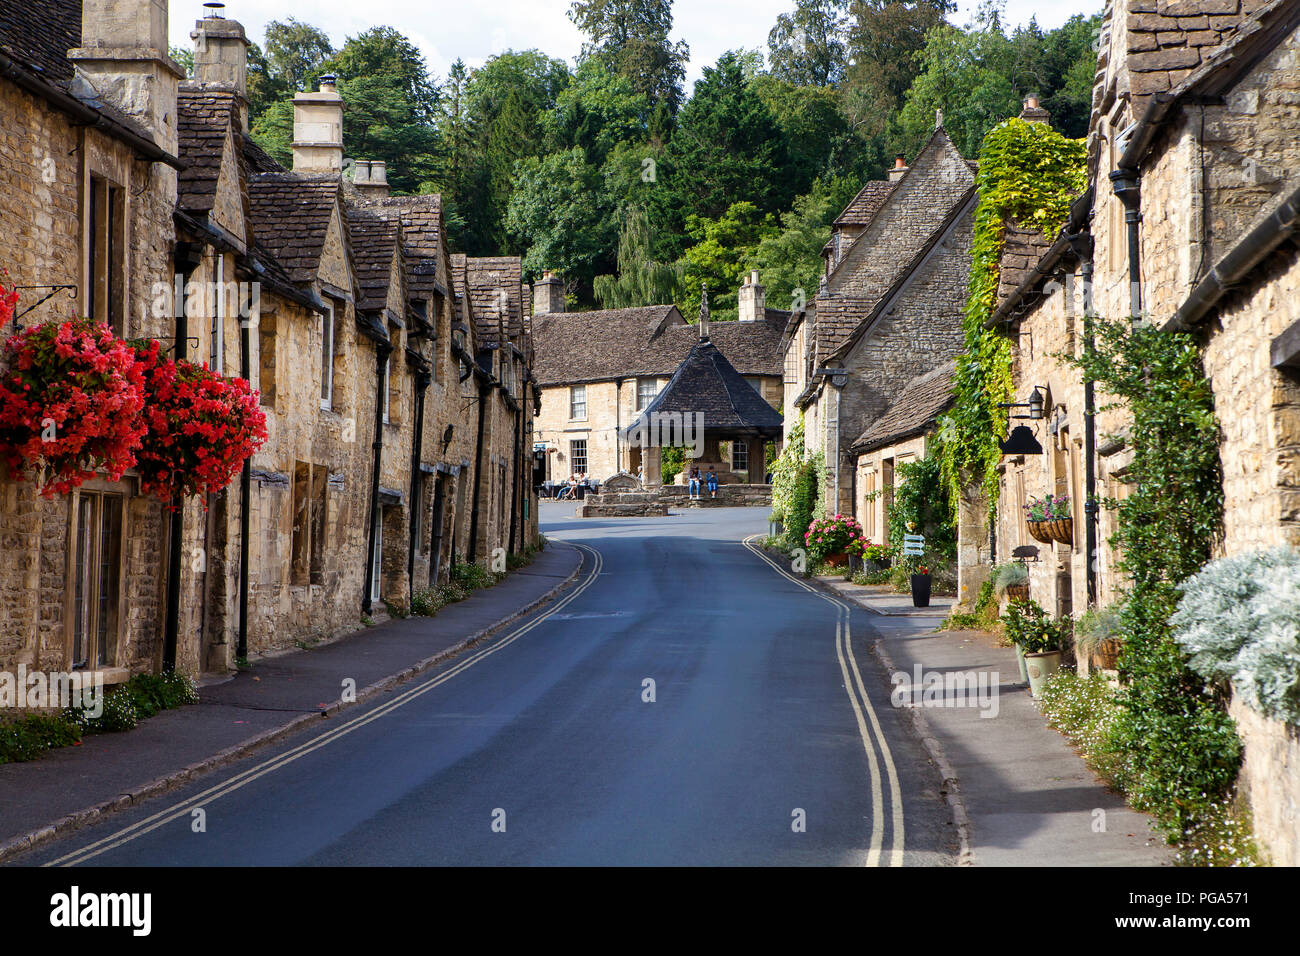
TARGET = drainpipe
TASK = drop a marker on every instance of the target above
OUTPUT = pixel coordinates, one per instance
(1127, 185)
(1081, 243)
(422, 380)
(245, 491)
(382, 351)
(186, 260)
(483, 392)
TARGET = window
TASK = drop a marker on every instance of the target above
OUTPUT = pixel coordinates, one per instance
(739, 456)
(377, 557)
(327, 358)
(216, 351)
(266, 357)
(578, 456)
(308, 541)
(578, 401)
(646, 390)
(104, 243)
(97, 561)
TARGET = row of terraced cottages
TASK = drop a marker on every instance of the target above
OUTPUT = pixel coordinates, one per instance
(394, 375)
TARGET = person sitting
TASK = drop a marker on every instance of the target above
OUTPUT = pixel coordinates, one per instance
(694, 482)
(712, 481)
(569, 490)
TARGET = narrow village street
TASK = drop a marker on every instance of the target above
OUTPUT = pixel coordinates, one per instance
(752, 751)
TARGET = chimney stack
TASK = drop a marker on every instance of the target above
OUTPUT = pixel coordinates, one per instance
(900, 167)
(318, 130)
(221, 54)
(1033, 113)
(548, 294)
(370, 176)
(753, 300)
(123, 56)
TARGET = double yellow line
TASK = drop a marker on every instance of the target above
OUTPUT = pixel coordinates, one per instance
(186, 807)
(866, 715)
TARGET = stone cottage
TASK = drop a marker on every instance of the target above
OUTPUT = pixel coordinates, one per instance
(398, 440)
(888, 310)
(598, 370)
(1188, 223)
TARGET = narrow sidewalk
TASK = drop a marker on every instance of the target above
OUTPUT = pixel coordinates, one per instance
(1026, 797)
(67, 787)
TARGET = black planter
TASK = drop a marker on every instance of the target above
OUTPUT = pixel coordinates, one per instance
(920, 590)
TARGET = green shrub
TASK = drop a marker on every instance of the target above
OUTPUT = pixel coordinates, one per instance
(1239, 621)
(1097, 625)
(1008, 575)
(1033, 629)
(25, 738)
(425, 602)
(470, 577)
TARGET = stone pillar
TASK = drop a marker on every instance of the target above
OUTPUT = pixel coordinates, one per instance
(221, 56)
(753, 301)
(757, 461)
(651, 458)
(123, 55)
(318, 130)
(548, 294)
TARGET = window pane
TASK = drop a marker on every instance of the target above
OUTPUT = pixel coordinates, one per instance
(327, 357)
(82, 586)
(377, 557)
(578, 401)
(110, 525)
(578, 455)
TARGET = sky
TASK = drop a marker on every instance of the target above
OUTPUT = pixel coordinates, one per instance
(474, 30)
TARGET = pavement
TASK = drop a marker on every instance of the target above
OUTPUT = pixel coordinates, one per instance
(1021, 795)
(279, 696)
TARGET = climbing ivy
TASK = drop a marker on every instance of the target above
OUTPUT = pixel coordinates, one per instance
(1178, 748)
(921, 499)
(1028, 173)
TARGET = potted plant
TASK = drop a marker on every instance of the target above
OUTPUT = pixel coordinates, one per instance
(828, 539)
(921, 586)
(1012, 579)
(1039, 638)
(876, 557)
(1049, 519)
(1097, 637)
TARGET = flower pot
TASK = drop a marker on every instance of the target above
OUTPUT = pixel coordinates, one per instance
(1062, 530)
(1017, 592)
(1039, 531)
(1041, 666)
(1105, 654)
(1020, 661)
(920, 590)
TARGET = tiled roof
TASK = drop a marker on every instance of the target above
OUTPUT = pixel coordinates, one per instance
(917, 407)
(495, 288)
(374, 241)
(865, 204)
(259, 160)
(39, 34)
(421, 220)
(1169, 39)
(574, 347)
(291, 216)
(1021, 251)
(203, 119)
(707, 384)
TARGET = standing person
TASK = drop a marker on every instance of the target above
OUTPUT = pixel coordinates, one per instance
(713, 482)
(695, 482)
(640, 474)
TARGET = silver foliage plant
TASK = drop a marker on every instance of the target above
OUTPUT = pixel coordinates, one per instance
(1239, 619)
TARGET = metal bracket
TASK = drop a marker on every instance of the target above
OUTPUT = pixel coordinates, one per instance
(54, 290)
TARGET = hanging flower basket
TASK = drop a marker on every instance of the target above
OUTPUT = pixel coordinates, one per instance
(1017, 592)
(202, 427)
(1039, 531)
(1062, 530)
(70, 403)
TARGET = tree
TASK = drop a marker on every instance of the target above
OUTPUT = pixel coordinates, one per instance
(559, 212)
(295, 54)
(721, 255)
(631, 38)
(790, 261)
(640, 280)
(727, 148)
(884, 40)
(387, 59)
(815, 134)
(808, 47)
(597, 111)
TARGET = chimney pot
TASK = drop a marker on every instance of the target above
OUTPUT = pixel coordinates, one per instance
(214, 10)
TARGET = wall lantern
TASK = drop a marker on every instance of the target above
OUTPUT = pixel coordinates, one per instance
(1035, 404)
(1021, 441)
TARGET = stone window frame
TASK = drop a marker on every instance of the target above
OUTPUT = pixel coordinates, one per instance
(94, 236)
(575, 457)
(574, 403)
(96, 492)
(643, 400)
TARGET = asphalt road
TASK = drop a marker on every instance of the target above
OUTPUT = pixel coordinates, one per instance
(683, 703)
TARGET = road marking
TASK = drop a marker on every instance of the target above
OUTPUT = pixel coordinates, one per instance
(843, 649)
(240, 780)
